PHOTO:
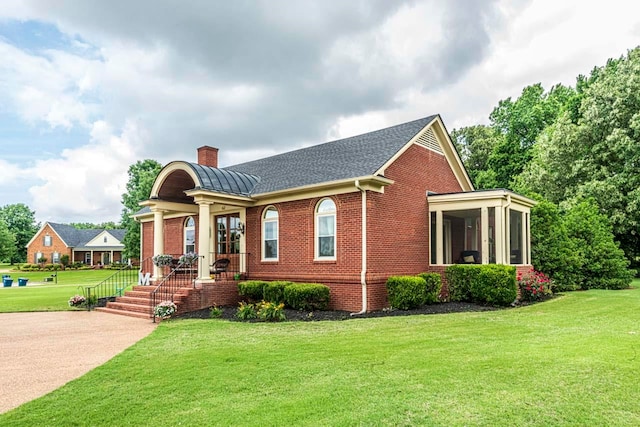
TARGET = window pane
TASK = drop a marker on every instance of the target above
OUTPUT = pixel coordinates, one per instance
(326, 205)
(515, 236)
(326, 247)
(270, 230)
(326, 225)
(432, 230)
(271, 213)
(271, 249)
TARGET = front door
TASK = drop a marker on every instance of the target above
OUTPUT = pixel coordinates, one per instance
(228, 240)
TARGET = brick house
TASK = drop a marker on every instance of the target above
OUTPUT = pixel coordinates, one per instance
(91, 247)
(348, 214)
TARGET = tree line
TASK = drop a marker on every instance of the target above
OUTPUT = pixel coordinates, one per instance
(577, 151)
(18, 222)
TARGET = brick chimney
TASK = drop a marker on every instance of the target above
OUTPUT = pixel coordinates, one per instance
(208, 156)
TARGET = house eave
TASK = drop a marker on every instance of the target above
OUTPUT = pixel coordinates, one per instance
(370, 183)
(500, 194)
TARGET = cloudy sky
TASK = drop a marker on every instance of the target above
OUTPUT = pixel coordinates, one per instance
(88, 87)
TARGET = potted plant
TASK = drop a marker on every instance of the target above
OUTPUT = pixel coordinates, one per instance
(77, 301)
(165, 309)
(162, 260)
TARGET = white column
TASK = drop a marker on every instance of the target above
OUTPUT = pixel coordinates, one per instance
(526, 249)
(158, 239)
(507, 236)
(204, 248)
(484, 233)
(243, 242)
(439, 242)
(499, 237)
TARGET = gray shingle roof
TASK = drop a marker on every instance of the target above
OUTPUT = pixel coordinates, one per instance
(353, 157)
(74, 237)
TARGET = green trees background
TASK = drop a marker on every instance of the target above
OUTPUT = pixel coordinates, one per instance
(578, 151)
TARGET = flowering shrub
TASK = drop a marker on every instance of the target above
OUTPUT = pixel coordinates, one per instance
(165, 309)
(534, 286)
(77, 301)
(271, 312)
(162, 260)
(188, 259)
(246, 311)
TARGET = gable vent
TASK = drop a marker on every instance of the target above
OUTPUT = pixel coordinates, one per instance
(428, 140)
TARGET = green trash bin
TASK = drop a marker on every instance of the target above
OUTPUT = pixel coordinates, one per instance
(7, 282)
(22, 281)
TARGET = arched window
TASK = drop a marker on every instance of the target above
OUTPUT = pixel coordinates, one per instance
(270, 234)
(325, 225)
(189, 235)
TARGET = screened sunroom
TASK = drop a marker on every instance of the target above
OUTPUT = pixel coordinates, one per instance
(480, 227)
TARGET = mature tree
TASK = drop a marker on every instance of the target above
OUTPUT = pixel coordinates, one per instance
(7, 243)
(22, 224)
(141, 177)
(109, 225)
(597, 154)
(521, 121)
(475, 144)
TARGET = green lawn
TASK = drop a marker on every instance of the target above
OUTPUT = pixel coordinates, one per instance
(569, 361)
(38, 296)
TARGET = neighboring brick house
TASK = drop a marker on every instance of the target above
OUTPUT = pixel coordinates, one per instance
(91, 246)
(348, 213)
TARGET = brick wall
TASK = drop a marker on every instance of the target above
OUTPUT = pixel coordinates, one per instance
(399, 219)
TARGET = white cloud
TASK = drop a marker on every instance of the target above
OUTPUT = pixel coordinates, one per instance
(151, 80)
(86, 183)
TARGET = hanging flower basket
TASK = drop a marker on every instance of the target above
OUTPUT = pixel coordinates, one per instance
(162, 260)
(188, 259)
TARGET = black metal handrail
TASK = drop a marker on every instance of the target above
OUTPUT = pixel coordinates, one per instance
(171, 283)
(111, 287)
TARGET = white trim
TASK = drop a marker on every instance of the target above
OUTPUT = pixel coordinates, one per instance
(263, 222)
(450, 153)
(186, 228)
(316, 234)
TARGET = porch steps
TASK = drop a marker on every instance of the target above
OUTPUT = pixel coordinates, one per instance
(137, 302)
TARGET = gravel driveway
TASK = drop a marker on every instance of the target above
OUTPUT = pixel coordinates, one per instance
(39, 352)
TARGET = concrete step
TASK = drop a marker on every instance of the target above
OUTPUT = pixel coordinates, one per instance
(124, 312)
(130, 307)
(134, 300)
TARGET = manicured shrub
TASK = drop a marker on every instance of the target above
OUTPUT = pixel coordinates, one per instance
(491, 284)
(495, 285)
(252, 290)
(306, 296)
(433, 286)
(459, 279)
(274, 291)
(406, 292)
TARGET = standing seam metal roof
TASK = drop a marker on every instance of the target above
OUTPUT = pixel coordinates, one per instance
(224, 181)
